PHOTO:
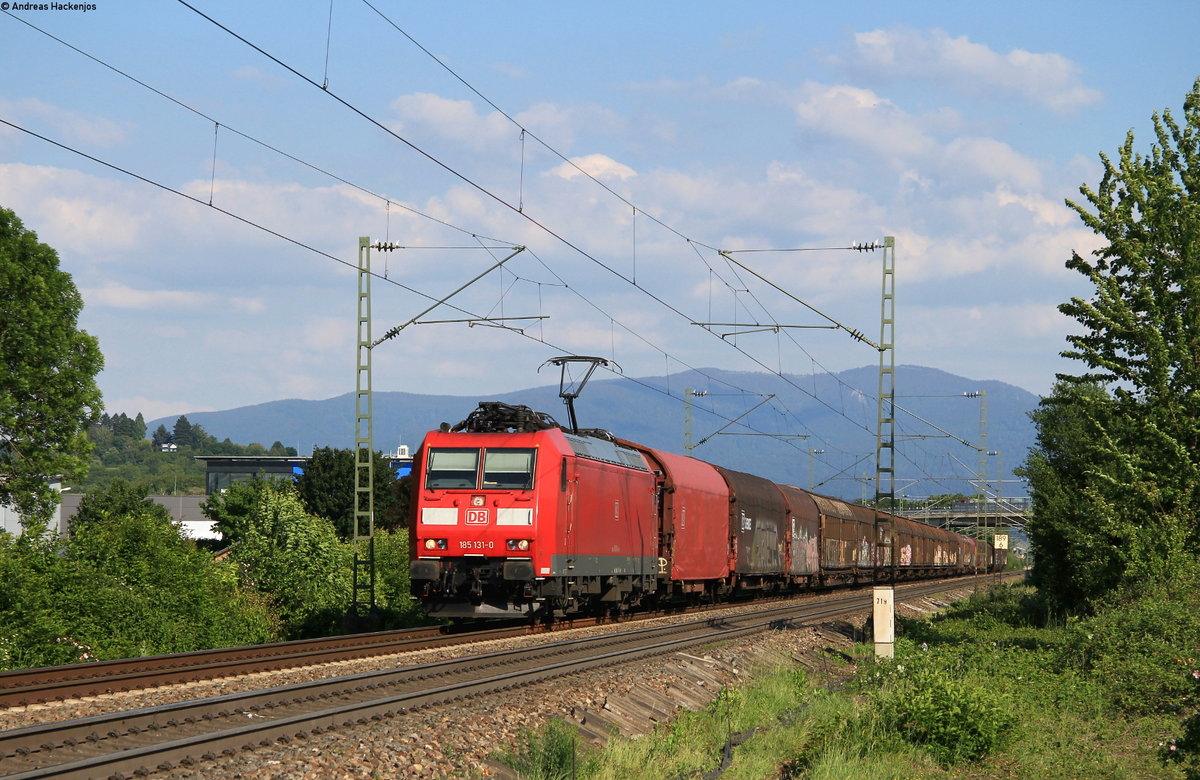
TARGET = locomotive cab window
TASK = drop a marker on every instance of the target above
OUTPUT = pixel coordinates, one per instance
(452, 468)
(508, 469)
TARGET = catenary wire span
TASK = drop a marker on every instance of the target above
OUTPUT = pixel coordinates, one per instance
(518, 209)
(504, 203)
(218, 125)
(302, 245)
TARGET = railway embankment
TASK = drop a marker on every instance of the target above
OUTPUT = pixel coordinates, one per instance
(990, 686)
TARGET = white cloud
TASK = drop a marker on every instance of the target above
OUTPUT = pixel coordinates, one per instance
(511, 70)
(991, 160)
(119, 296)
(1047, 79)
(558, 125)
(258, 76)
(862, 118)
(62, 124)
(84, 213)
(1051, 213)
(328, 334)
(598, 166)
(912, 146)
(969, 327)
(453, 120)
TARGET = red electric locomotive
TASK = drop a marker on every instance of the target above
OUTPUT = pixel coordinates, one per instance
(512, 515)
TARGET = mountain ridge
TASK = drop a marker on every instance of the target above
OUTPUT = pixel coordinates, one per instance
(938, 423)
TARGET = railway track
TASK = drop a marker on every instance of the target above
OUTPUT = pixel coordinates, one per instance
(186, 733)
(59, 683)
(56, 683)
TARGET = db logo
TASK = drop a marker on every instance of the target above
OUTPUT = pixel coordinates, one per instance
(476, 517)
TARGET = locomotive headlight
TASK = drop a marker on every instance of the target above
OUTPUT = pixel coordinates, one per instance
(518, 544)
(436, 544)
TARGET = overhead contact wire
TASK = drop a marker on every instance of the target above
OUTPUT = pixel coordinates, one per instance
(300, 161)
(463, 177)
(293, 241)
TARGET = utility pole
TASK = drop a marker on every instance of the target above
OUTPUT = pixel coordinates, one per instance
(885, 459)
(981, 474)
(812, 452)
(363, 539)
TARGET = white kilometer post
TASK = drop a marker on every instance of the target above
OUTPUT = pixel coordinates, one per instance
(885, 620)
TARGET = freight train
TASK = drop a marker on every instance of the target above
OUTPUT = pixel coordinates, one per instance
(513, 516)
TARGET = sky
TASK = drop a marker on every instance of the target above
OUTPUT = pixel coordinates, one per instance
(206, 171)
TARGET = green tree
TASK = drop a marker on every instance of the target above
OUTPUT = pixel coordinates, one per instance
(233, 509)
(48, 393)
(297, 560)
(278, 449)
(181, 434)
(1140, 341)
(327, 488)
(392, 585)
(161, 436)
(1076, 550)
(120, 587)
(120, 499)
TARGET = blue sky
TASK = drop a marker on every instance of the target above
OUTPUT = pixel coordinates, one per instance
(958, 128)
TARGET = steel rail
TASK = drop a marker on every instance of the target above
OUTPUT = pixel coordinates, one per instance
(34, 686)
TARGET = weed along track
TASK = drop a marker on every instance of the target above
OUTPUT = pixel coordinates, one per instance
(173, 737)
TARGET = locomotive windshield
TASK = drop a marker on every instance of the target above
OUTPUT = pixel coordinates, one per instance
(508, 469)
(458, 467)
(452, 468)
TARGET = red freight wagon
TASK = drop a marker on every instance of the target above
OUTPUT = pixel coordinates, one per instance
(864, 549)
(511, 515)
(803, 524)
(963, 552)
(610, 521)
(694, 529)
(915, 546)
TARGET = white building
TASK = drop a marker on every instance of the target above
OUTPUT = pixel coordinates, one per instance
(10, 521)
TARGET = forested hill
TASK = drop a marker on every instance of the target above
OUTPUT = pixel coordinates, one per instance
(836, 411)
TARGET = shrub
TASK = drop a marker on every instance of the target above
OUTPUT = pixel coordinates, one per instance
(392, 590)
(1137, 651)
(123, 586)
(1184, 751)
(954, 720)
